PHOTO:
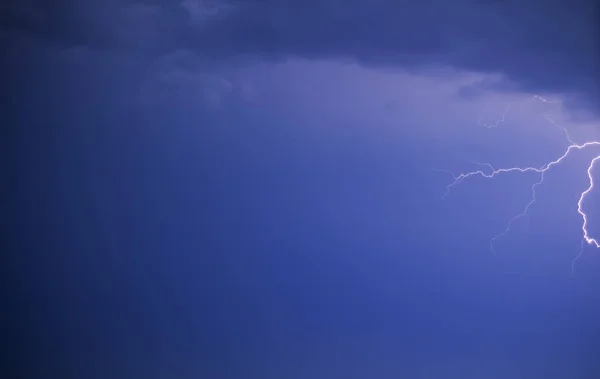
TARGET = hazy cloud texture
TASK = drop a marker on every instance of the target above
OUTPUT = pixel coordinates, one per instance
(519, 39)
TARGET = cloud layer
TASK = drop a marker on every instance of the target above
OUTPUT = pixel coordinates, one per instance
(539, 45)
(549, 45)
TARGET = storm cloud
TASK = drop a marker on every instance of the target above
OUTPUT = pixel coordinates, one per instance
(540, 45)
(537, 45)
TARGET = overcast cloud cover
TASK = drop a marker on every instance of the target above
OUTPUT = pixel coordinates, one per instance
(252, 189)
(539, 45)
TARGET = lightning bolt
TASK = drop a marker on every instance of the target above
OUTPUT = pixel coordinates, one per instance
(507, 109)
(498, 122)
(492, 172)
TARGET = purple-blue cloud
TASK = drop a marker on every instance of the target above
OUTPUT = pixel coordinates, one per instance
(519, 39)
(538, 45)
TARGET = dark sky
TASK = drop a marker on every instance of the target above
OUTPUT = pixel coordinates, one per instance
(251, 189)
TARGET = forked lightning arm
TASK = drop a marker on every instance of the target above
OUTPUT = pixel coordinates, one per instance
(586, 235)
(492, 172)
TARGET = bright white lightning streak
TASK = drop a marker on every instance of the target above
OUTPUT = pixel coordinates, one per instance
(542, 171)
(586, 235)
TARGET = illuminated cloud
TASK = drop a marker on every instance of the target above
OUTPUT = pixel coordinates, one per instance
(519, 39)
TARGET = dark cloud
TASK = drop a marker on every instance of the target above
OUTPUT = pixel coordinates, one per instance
(541, 45)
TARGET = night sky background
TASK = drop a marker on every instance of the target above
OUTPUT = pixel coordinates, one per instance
(252, 189)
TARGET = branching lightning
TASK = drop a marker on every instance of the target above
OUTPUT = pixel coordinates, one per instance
(498, 122)
(488, 171)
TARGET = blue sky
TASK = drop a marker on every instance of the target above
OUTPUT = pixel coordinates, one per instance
(252, 189)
